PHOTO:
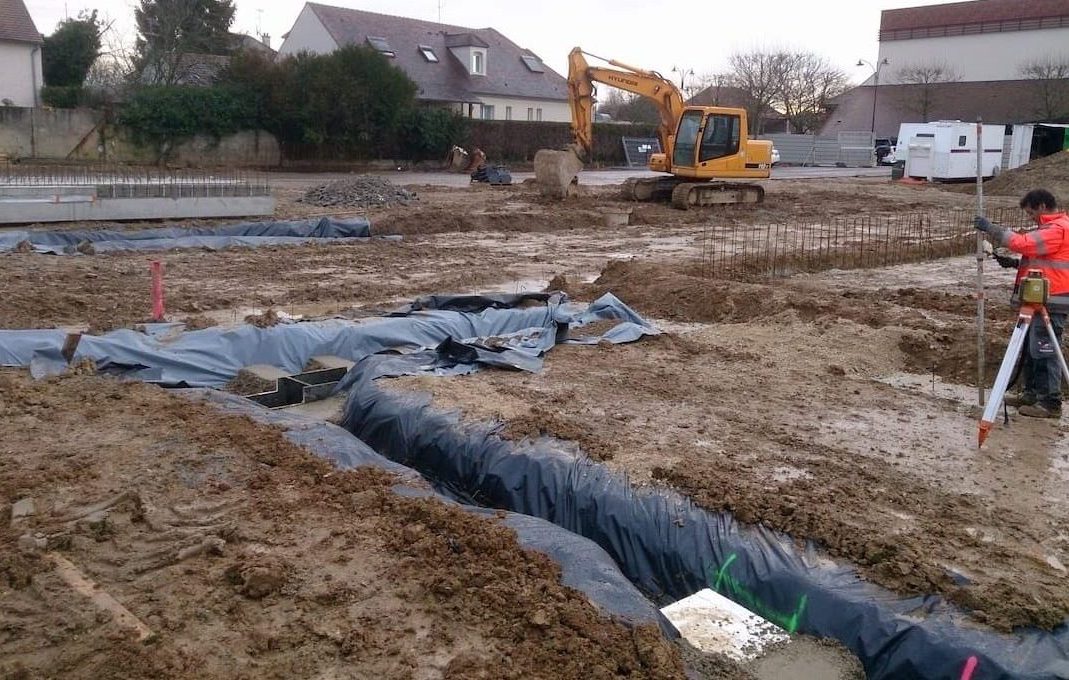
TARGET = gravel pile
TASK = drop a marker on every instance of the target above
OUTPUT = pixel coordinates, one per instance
(358, 192)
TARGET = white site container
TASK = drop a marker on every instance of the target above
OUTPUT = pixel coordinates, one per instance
(946, 150)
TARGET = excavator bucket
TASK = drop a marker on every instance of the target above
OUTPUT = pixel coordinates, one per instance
(457, 160)
(557, 172)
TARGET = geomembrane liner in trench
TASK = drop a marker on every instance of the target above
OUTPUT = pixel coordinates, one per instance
(670, 548)
(663, 543)
(247, 234)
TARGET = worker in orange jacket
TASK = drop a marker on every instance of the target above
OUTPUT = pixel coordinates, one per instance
(1046, 249)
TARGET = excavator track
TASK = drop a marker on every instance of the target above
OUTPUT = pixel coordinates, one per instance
(689, 195)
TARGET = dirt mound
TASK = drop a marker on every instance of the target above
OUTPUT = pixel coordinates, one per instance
(246, 383)
(543, 421)
(952, 356)
(670, 292)
(357, 192)
(264, 319)
(238, 550)
(1050, 172)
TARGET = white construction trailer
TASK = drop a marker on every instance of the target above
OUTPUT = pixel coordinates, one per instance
(946, 150)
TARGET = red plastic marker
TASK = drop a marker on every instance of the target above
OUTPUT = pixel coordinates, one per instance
(157, 290)
(970, 668)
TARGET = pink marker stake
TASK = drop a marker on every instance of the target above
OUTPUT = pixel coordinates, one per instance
(970, 668)
(157, 290)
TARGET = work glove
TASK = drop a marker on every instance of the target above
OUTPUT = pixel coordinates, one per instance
(1007, 262)
(997, 234)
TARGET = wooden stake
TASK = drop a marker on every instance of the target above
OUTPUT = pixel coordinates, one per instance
(980, 260)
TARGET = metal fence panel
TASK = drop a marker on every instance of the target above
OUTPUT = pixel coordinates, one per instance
(851, 151)
(637, 150)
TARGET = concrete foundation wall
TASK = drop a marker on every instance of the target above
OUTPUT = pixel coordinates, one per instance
(33, 211)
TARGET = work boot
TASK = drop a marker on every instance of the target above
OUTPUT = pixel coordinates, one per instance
(1040, 411)
(1021, 399)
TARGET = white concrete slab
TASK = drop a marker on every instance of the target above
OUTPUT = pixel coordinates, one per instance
(715, 624)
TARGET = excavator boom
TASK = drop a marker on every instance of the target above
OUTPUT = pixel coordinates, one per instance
(650, 84)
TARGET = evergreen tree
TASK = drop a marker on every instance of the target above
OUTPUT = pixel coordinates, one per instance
(70, 51)
(171, 29)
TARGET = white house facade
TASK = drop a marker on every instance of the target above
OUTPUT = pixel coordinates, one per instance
(20, 54)
(478, 73)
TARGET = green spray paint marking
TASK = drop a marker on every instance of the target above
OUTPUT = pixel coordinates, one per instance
(746, 598)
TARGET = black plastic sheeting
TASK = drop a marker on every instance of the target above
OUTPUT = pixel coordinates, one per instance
(670, 548)
(473, 303)
(514, 338)
(249, 234)
(584, 566)
(664, 545)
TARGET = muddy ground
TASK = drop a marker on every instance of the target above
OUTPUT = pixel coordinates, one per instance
(835, 406)
(242, 555)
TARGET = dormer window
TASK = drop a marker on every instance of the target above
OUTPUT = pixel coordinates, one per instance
(478, 62)
(428, 53)
(382, 45)
(533, 63)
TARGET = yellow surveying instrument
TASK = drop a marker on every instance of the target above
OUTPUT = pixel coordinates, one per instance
(1034, 290)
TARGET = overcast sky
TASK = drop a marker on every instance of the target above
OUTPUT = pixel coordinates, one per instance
(654, 34)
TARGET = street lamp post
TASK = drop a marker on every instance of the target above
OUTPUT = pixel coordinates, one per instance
(875, 89)
(683, 73)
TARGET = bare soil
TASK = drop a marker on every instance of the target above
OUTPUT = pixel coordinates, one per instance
(246, 556)
(792, 411)
(837, 406)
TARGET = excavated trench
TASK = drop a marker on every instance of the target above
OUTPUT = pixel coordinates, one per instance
(664, 545)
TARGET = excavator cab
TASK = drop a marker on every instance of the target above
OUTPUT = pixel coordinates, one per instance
(710, 142)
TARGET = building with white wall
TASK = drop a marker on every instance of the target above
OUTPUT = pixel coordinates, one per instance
(20, 56)
(961, 60)
(477, 72)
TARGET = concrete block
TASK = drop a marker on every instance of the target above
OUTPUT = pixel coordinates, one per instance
(23, 508)
(557, 172)
(715, 624)
(31, 542)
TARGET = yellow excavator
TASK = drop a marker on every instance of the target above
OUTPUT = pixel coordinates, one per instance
(702, 145)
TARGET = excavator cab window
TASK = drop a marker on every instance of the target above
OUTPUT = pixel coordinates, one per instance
(721, 137)
(687, 138)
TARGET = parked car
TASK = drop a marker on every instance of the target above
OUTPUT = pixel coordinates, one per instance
(885, 151)
(775, 156)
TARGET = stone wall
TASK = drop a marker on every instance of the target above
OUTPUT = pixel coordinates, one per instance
(81, 135)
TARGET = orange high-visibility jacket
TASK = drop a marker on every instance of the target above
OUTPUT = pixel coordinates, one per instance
(1047, 249)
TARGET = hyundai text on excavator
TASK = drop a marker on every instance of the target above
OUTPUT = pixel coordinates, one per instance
(702, 144)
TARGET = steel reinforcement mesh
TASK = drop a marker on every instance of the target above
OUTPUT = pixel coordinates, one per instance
(748, 252)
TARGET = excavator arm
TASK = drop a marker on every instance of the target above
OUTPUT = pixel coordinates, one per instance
(650, 84)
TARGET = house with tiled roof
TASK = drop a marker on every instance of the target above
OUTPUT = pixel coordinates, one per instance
(477, 72)
(1006, 61)
(20, 53)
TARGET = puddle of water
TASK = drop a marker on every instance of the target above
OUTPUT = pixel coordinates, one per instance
(786, 473)
(933, 386)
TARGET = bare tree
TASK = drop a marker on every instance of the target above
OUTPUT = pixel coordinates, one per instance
(810, 82)
(760, 75)
(623, 106)
(113, 70)
(1050, 76)
(926, 77)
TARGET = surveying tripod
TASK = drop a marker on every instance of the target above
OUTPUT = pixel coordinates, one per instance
(1035, 291)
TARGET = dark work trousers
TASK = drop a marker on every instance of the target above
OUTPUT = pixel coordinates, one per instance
(1040, 370)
